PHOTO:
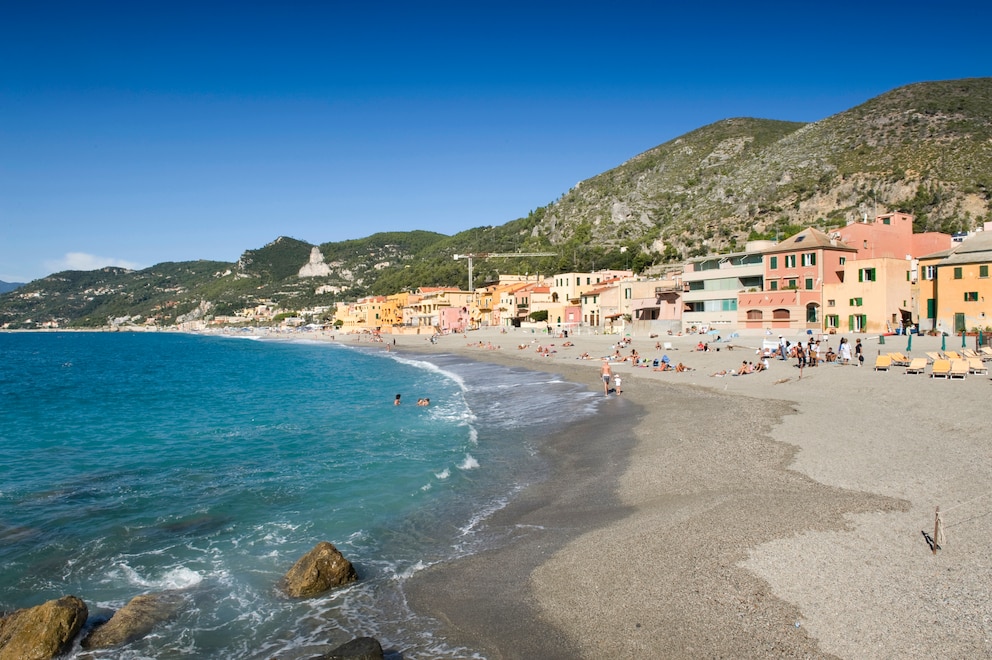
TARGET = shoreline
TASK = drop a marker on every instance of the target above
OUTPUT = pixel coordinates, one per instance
(736, 517)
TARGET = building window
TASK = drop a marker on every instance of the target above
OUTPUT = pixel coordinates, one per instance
(790, 261)
(812, 312)
(855, 302)
(931, 308)
(626, 294)
(773, 285)
(886, 221)
(843, 260)
(809, 259)
(971, 296)
(809, 283)
(929, 272)
(866, 275)
(957, 272)
(754, 315)
(773, 263)
(983, 271)
(831, 303)
(833, 321)
(793, 285)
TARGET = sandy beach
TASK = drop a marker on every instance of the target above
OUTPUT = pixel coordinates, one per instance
(737, 516)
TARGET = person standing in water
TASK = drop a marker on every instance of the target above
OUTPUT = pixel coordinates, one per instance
(607, 375)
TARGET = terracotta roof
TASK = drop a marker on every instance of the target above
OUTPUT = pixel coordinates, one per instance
(809, 238)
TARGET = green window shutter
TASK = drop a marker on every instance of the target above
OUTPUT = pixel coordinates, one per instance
(773, 263)
(850, 323)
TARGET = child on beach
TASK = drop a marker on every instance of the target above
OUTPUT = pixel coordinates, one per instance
(616, 384)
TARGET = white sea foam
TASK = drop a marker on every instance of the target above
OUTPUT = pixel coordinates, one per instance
(428, 366)
(483, 514)
(443, 474)
(469, 463)
(175, 578)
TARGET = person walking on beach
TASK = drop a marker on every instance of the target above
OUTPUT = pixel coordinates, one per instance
(607, 375)
(616, 385)
(844, 351)
(859, 353)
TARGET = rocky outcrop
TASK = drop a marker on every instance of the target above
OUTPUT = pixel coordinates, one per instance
(361, 648)
(321, 569)
(316, 266)
(134, 620)
(42, 632)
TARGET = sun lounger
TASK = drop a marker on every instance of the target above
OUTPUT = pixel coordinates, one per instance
(967, 353)
(916, 366)
(985, 352)
(882, 363)
(933, 356)
(667, 346)
(941, 369)
(959, 369)
(952, 355)
(899, 360)
(976, 366)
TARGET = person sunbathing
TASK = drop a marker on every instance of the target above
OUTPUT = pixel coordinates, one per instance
(679, 368)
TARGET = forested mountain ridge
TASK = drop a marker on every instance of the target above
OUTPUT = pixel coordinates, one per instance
(925, 149)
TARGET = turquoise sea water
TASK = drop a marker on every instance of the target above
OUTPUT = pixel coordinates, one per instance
(137, 463)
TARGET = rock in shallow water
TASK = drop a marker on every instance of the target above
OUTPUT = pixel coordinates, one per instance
(134, 620)
(42, 632)
(321, 569)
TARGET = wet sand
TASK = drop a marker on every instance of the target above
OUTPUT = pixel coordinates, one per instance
(702, 516)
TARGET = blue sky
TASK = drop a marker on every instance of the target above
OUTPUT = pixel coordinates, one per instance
(141, 132)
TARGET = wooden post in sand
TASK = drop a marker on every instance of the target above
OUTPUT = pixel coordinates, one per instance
(938, 531)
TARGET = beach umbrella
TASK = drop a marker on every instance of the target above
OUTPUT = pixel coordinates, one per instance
(981, 338)
(943, 342)
(909, 343)
(964, 339)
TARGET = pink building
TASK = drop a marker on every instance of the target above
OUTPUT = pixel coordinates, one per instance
(891, 236)
(795, 272)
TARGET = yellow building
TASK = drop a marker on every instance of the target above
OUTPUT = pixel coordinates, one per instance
(959, 286)
(874, 295)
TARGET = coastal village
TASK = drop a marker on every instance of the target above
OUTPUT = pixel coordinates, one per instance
(872, 276)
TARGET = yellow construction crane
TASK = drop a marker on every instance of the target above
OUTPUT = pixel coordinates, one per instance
(490, 255)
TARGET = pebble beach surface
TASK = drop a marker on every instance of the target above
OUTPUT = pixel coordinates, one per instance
(736, 516)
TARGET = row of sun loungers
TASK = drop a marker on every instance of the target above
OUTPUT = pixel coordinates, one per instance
(950, 364)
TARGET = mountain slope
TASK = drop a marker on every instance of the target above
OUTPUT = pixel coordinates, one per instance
(923, 148)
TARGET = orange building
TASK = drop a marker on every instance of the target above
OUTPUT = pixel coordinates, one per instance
(956, 288)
